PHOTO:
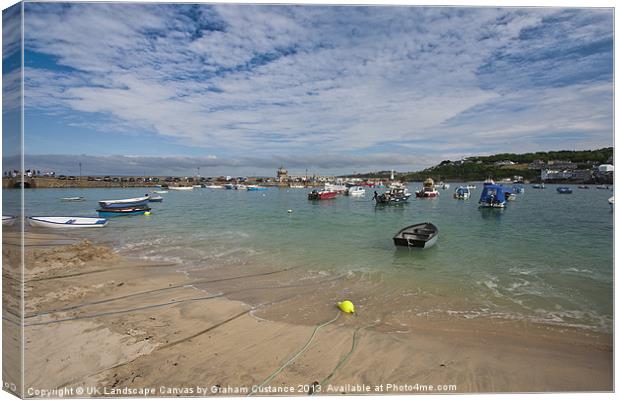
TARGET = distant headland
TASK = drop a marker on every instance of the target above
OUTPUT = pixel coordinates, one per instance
(565, 166)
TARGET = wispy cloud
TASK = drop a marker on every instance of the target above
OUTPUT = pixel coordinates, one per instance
(295, 81)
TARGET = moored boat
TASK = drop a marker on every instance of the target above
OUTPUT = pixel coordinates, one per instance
(492, 196)
(583, 187)
(229, 186)
(396, 195)
(538, 186)
(124, 203)
(422, 235)
(117, 212)
(428, 190)
(604, 187)
(333, 187)
(296, 186)
(160, 191)
(214, 187)
(564, 190)
(77, 198)
(255, 188)
(67, 222)
(322, 195)
(518, 189)
(355, 191)
(156, 199)
(444, 186)
(181, 187)
(462, 193)
(609, 200)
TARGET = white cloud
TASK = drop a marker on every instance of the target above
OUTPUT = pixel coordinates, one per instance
(292, 80)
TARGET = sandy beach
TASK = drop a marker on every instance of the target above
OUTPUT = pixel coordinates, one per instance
(98, 324)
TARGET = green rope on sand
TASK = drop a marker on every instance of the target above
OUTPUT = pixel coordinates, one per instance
(295, 356)
(343, 359)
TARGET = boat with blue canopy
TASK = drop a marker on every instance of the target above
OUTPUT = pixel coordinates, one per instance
(462, 193)
(492, 196)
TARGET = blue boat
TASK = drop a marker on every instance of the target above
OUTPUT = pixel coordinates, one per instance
(564, 190)
(119, 212)
(518, 189)
(492, 196)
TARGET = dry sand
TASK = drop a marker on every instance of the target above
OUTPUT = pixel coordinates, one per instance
(95, 319)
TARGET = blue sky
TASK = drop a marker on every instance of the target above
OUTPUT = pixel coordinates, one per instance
(162, 89)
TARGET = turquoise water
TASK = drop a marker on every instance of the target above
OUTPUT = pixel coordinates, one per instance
(546, 257)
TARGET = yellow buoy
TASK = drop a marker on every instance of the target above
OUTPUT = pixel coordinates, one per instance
(147, 213)
(346, 306)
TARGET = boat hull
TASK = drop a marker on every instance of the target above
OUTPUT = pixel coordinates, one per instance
(67, 222)
(72, 199)
(322, 195)
(420, 236)
(180, 188)
(122, 212)
(124, 203)
(393, 200)
(423, 194)
(491, 205)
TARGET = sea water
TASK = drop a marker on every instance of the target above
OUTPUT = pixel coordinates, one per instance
(546, 257)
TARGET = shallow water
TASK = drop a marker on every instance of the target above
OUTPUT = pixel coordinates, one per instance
(546, 258)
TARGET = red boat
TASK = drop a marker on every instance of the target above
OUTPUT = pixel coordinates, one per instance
(322, 195)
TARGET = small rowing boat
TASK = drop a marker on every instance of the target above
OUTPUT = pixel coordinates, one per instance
(119, 212)
(67, 222)
(181, 187)
(422, 235)
(79, 198)
(155, 199)
(124, 203)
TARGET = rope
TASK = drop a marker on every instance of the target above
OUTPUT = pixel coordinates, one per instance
(295, 356)
(345, 358)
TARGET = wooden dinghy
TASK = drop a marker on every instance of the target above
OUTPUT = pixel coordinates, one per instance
(422, 235)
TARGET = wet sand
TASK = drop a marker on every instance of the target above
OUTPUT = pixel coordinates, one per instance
(95, 319)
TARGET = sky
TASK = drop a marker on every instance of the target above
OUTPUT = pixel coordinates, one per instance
(242, 89)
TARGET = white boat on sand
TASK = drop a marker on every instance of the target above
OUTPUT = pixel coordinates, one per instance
(67, 222)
